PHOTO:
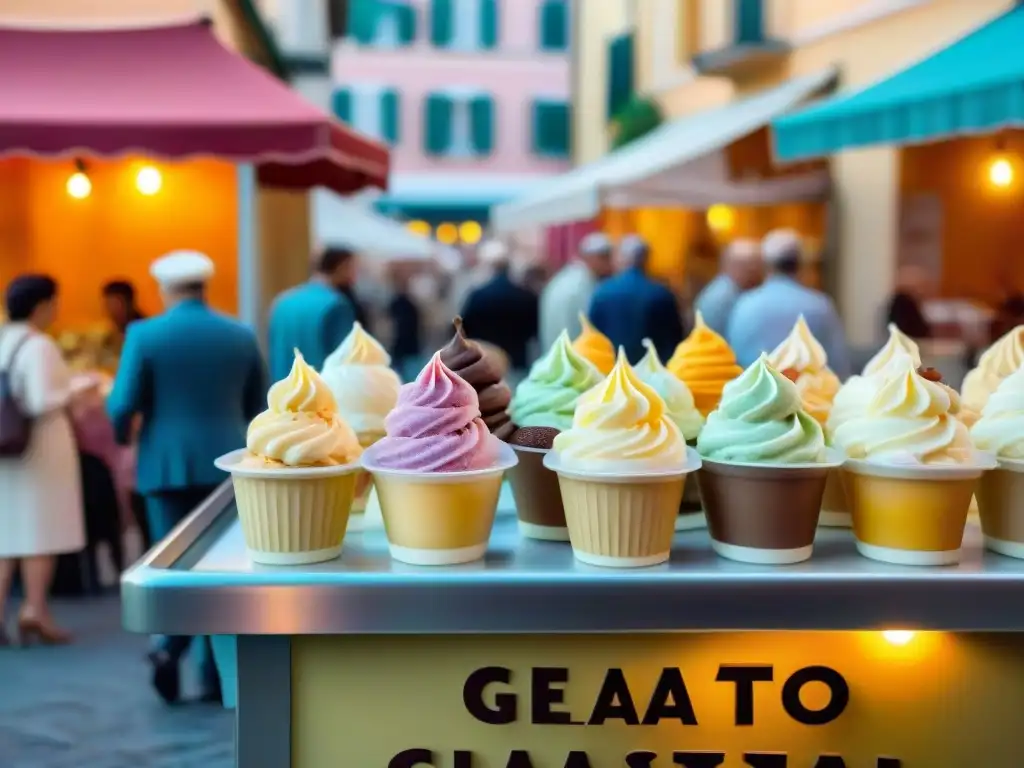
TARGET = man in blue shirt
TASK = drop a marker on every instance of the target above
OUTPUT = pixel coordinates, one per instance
(764, 316)
(631, 306)
(313, 317)
(740, 270)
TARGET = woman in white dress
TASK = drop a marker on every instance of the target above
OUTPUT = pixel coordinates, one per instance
(41, 512)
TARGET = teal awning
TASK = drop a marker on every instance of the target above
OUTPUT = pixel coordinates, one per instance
(974, 85)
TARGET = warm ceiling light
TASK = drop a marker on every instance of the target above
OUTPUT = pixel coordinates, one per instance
(78, 185)
(447, 233)
(419, 227)
(148, 180)
(470, 232)
(721, 218)
(1000, 173)
(898, 636)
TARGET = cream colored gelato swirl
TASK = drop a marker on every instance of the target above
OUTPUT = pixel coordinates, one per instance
(301, 427)
(679, 404)
(1004, 357)
(898, 344)
(360, 377)
(1000, 430)
(856, 394)
(908, 421)
(621, 425)
(801, 353)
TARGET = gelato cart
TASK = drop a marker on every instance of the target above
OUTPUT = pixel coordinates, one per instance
(532, 660)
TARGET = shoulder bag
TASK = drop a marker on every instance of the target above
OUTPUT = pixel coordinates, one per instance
(15, 423)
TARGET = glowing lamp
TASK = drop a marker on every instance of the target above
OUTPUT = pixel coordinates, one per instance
(148, 180)
(470, 232)
(898, 636)
(721, 218)
(78, 185)
(1000, 173)
(419, 228)
(447, 233)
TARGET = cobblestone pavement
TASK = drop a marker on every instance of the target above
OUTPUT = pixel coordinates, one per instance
(89, 705)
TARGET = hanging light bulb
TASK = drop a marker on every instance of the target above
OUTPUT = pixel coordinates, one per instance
(78, 185)
(148, 180)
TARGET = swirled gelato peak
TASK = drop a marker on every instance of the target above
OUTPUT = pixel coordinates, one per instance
(898, 344)
(301, 426)
(621, 424)
(436, 426)
(365, 387)
(1000, 430)
(801, 353)
(704, 362)
(547, 396)
(679, 404)
(761, 420)
(469, 360)
(594, 346)
(997, 362)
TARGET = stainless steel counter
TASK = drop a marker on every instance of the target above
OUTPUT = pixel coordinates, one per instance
(199, 581)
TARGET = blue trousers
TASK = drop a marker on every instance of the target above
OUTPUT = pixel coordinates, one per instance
(164, 510)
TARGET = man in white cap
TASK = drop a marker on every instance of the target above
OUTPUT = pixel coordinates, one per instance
(569, 292)
(194, 378)
(764, 316)
(740, 270)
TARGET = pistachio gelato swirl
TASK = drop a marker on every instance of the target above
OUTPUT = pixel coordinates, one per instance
(908, 421)
(301, 427)
(594, 346)
(761, 421)
(1004, 357)
(802, 353)
(679, 404)
(704, 362)
(1000, 430)
(547, 396)
(360, 377)
(621, 425)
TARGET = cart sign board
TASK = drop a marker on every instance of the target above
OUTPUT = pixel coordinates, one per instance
(764, 700)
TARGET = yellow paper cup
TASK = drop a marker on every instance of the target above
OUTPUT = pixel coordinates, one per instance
(439, 518)
(1000, 497)
(835, 508)
(364, 484)
(911, 514)
(622, 520)
(291, 515)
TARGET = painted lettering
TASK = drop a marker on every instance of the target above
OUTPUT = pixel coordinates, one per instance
(670, 700)
(504, 710)
(743, 677)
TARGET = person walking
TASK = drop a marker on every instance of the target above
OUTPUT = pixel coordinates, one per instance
(740, 271)
(631, 307)
(569, 292)
(314, 317)
(195, 378)
(42, 513)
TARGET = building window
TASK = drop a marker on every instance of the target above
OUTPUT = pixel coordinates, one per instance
(748, 18)
(337, 18)
(552, 125)
(373, 110)
(458, 125)
(464, 25)
(554, 25)
(382, 23)
(620, 73)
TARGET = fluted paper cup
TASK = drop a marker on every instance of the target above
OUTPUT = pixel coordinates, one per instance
(835, 508)
(364, 485)
(538, 499)
(291, 515)
(1000, 495)
(439, 518)
(912, 514)
(622, 520)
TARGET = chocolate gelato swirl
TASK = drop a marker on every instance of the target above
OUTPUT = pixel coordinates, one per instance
(534, 437)
(467, 359)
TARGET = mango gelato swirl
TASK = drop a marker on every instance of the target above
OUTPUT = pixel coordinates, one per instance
(909, 421)
(761, 421)
(594, 346)
(679, 404)
(621, 425)
(802, 353)
(360, 377)
(301, 427)
(1004, 357)
(547, 397)
(1000, 430)
(705, 363)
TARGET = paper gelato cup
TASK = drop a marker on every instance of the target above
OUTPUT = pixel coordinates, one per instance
(691, 510)
(538, 498)
(835, 509)
(1000, 495)
(622, 520)
(439, 518)
(911, 514)
(364, 484)
(291, 515)
(764, 513)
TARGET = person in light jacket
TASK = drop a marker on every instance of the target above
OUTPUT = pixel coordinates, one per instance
(741, 270)
(568, 293)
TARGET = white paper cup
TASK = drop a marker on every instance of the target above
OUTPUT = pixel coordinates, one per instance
(622, 519)
(439, 518)
(291, 515)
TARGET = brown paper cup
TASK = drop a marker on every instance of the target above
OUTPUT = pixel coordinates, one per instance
(538, 498)
(910, 515)
(691, 511)
(764, 514)
(835, 509)
(364, 484)
(291, 516)
(1000, 495)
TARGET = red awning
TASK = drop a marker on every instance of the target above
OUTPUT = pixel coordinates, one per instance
(170, 92)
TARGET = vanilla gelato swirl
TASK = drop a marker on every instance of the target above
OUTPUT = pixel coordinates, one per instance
(679, 403)
(761, 421)
(301, 427)
(909, 421)
(360, 377)
(1000, 430)
(802, 353)
(898, 344)
(621, 425)
(856, 394)
(1004, 357)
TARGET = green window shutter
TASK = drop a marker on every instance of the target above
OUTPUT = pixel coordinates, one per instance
(437, 131)
(489, 23)
(481, 115)
(341, 104)
(406, 23)
(748, 21)
(554, 25)
(390, 116)
(362, 20)
(442, 22)
(551, 128)
(620, 73)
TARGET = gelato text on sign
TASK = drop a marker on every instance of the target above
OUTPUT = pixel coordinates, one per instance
(488, 697)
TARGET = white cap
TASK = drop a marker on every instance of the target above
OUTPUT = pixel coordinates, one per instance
(595, 244)
(181, 268)
(492, 252)
(781, 244)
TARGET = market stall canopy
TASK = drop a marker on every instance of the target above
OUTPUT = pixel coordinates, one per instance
(974, 85)
(169, 92)
(670, 166)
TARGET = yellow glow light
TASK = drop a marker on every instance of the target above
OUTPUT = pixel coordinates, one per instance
(419, 227)
(470, 232)
(447, 233)
(1000, 173)
(79, 186)
(898, 636)
(721, 218)
(148, 180)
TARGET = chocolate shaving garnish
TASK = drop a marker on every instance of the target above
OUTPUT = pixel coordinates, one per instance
(792, 374)
(930, 374)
